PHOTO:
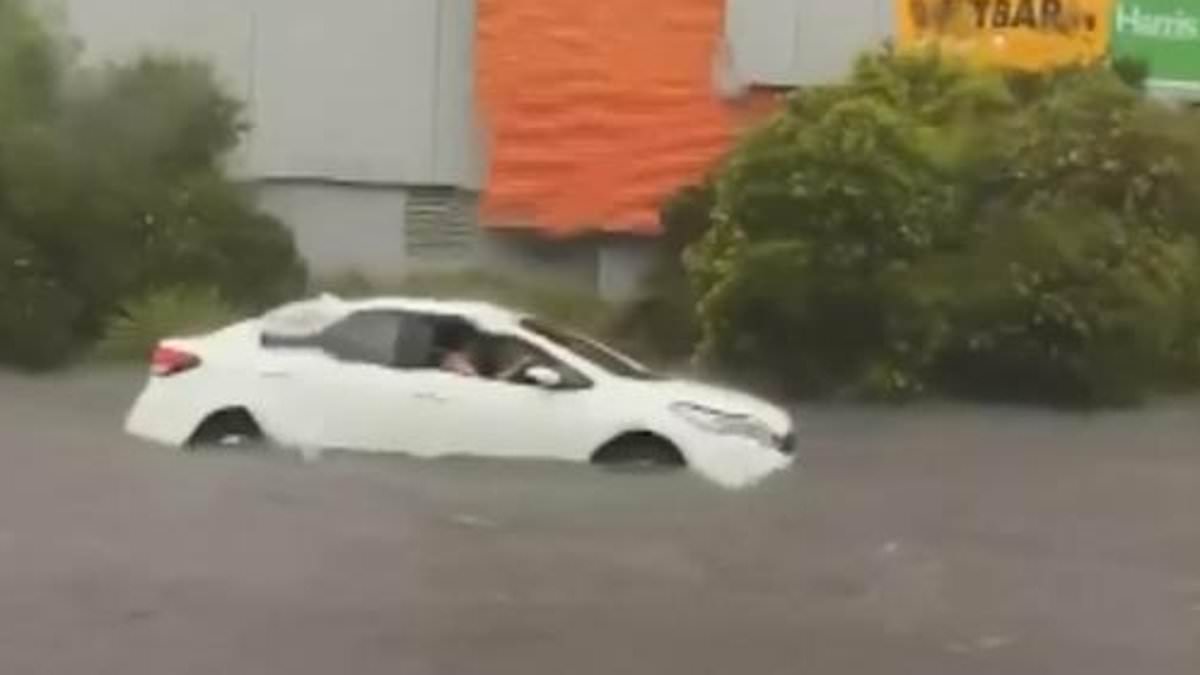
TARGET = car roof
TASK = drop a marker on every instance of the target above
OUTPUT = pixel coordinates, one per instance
(312, 315)
(483, 313)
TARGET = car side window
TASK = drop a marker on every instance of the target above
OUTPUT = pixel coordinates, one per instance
(416, 348)
(506, 357)
(364, 337)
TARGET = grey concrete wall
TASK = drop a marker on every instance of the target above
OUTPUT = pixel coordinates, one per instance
(116, 30)
(623, 265)
(572, 263)
(611, 266)
(351, 101)
(459, 158)
(343, 228)
(373, 91)
(762, 38)
(803, 42)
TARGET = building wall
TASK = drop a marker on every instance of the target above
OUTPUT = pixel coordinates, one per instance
(572, 263)
(343, 228)
(622, 265)
(354, 105)
(371, 138)
(596, 111)
(803, 42)
(360, 107)
(369, 91)
(117, 30)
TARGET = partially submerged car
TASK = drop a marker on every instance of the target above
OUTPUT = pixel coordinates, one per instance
(436, 378)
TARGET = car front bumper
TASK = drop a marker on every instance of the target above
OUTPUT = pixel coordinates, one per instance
(735, 462)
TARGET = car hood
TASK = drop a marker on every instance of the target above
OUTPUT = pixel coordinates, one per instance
(723, 399)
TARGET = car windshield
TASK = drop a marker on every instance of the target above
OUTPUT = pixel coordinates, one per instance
(605, 358)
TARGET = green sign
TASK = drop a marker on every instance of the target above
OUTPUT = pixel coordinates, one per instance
(1166, 35)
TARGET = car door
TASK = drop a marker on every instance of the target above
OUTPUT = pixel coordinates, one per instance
(359, 385)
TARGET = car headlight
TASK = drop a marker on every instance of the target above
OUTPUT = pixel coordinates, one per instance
(724, 423)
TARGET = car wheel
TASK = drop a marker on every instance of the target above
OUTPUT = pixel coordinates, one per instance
(639, 453)
(234, 428)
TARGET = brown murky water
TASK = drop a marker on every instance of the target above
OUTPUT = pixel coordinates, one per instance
(938, 540)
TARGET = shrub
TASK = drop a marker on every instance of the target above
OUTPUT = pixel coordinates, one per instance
(140, 324)
(931, 226)
(37, 315)
(1047, 308)
(818, 208)
(113, 177)
(31, 65)
(662, 319)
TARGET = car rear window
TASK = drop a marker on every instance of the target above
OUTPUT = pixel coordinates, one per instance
(382, 338)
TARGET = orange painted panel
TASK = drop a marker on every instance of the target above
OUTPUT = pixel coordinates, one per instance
(595, 111)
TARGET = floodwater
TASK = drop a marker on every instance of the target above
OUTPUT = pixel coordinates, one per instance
(936, 539)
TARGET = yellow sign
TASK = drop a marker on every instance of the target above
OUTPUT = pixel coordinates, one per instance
(1024, 34)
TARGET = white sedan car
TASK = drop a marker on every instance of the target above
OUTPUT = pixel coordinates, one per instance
(372, 376)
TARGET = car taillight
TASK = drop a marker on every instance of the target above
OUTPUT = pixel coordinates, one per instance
(168, 361)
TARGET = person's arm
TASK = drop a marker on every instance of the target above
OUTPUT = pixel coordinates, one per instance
(459, 364)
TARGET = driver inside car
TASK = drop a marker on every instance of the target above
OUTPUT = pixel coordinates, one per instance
(454, 345)
(467, 352)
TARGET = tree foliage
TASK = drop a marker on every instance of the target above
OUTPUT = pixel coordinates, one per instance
(661, 322)
(112, 183)
(929, 225)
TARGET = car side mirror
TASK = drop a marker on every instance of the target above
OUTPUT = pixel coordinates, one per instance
(546, 378)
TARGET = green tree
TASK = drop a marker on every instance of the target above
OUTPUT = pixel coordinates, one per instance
(931, 225)
(31, 66)
(113, 180)
(661, 321)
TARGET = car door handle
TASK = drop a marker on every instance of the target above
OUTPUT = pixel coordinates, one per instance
(430, 397)
(275, 374)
